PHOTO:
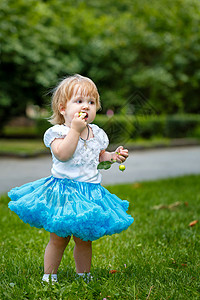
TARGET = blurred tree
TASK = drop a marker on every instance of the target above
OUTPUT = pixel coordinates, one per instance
(123, 46)
(33, 52)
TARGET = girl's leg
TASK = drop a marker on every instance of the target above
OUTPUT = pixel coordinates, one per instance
(54, 252)
(82, 255)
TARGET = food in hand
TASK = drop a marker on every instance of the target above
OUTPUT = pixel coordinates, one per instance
(107, 164)
(83, 113)
(122, 168)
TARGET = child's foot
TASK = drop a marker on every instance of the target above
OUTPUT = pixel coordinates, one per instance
(46, 278)
(87, 277)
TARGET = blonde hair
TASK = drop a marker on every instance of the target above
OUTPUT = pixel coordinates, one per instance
(68, 88)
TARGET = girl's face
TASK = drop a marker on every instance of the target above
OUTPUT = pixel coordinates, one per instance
(77, 104)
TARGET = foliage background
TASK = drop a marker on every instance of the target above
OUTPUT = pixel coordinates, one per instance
(124, 46)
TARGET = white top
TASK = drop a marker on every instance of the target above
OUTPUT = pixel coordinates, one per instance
(82, 166)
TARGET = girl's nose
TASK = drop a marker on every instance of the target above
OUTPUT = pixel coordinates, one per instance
(85, 106)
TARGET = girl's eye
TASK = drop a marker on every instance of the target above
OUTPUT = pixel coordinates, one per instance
(79, 101)
(91, 102)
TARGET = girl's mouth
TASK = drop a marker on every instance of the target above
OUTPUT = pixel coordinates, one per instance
(85, 113)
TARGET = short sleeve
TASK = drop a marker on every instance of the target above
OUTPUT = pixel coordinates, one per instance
(55, 132)
(105, 140)
(102, 137)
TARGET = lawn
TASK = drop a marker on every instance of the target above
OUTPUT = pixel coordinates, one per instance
(31, 147)
(158, 257)
(22, 147)
(26, 147)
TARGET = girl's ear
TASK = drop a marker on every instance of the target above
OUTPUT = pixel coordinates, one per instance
(61, 109)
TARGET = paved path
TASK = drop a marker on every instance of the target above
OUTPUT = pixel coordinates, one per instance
(141, 165)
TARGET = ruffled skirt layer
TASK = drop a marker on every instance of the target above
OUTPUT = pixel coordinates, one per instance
(68, 207)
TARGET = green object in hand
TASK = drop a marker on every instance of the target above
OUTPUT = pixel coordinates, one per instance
(105, 164)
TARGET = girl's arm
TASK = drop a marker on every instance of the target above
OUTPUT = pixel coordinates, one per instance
(120, 155)
(63, 149)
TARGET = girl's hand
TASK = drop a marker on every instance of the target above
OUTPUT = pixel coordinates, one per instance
(78, 122)
(120, 154)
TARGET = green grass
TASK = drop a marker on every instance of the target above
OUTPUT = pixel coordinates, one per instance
(18, 146)
(34, 146)
(20, 131)
(158, 257)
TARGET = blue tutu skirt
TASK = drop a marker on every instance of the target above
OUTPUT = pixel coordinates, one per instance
(68, 207)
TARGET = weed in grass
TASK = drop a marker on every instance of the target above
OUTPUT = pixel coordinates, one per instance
(158, 257)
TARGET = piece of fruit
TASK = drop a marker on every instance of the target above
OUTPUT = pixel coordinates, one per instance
(107, 164)
(122, 167)
(83, 113)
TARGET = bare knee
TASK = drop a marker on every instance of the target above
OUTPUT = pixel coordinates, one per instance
(58, 241)
(81, 243)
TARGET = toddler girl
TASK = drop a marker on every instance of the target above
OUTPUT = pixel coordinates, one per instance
(72, 201)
